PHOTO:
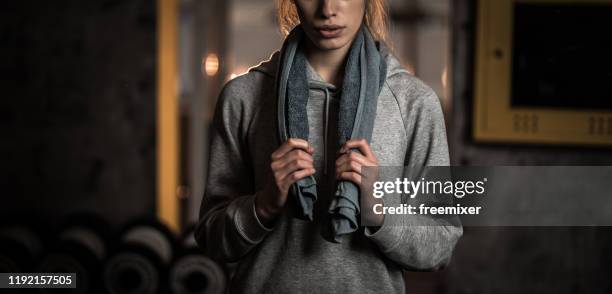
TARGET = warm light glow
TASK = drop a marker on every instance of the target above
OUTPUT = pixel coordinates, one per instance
(240, 70)
(445, 78)
(211, 64)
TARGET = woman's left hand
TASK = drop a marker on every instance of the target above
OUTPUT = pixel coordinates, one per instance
(349, 166)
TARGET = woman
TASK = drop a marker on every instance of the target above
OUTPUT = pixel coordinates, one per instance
(288, 144)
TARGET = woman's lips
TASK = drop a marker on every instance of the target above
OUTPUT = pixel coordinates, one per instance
(331, 31)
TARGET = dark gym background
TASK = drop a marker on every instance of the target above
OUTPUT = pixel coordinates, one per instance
(79, 111)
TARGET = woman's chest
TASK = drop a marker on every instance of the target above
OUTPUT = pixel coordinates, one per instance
(389, 140)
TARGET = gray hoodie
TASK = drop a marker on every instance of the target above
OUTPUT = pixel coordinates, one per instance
(294, 256)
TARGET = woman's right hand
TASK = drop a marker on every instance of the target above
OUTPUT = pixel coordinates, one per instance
(291, 162)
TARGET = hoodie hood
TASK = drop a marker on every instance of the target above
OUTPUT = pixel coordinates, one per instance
(269, 67)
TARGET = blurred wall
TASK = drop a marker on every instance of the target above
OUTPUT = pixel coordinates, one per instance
(78, 108)
(518, 259)
(203, 30)
(253, 34)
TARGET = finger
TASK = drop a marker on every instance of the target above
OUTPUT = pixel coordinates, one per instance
(292, 167)
(290, 144)
(298, 154)
(287, 146)
(297, 143)
(360, 144)
(351, 176)
(349, 166)
(366, 174)
(298, 175)
(354, 156)
(293, 155)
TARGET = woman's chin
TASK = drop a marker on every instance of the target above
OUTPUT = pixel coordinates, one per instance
(331, 44)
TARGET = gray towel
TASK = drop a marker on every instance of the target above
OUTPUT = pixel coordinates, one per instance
(364, 76)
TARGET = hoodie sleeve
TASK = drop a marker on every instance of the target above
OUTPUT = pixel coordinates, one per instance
(228, 226)
(420, 242)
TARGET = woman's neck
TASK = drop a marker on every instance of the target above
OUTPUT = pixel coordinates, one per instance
(329, 64)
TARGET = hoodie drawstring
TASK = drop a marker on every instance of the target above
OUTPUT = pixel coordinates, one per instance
(326, 112)
(326, 126)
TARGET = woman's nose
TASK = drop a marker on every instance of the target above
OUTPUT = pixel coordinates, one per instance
(328, 8)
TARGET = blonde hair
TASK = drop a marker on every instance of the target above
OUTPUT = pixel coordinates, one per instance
(375, 18)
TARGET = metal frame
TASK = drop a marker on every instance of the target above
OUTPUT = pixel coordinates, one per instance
(167, 114)
(494, 119)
